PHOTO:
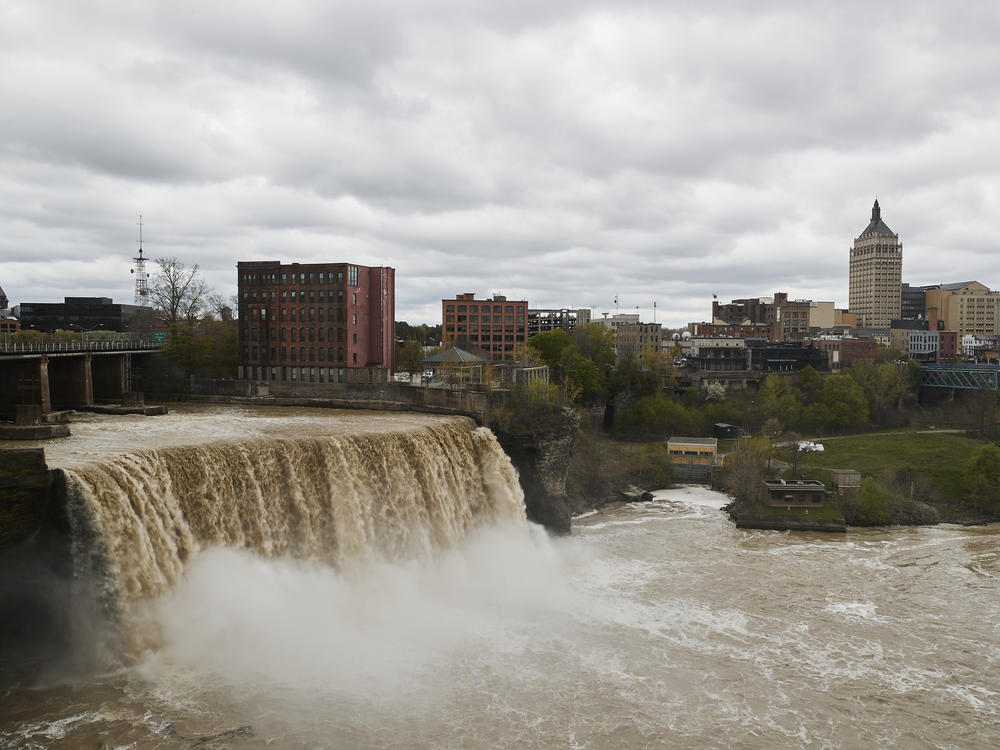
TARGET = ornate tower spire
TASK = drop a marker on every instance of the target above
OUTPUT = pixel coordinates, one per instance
(876, 212)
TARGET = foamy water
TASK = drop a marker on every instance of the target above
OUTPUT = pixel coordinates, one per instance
(656, 625)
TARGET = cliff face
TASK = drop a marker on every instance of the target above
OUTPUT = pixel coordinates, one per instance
(542, 461)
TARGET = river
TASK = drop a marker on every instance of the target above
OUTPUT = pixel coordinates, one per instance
(655, 625)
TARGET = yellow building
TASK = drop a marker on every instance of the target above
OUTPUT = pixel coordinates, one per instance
(696, 451)
(876, 274)
(967, 307)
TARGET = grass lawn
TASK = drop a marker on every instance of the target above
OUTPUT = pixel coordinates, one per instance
(937, 456)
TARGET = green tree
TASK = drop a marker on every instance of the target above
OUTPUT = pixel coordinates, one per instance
(654, 417)
(810, 383)
(582, 377)
(550, 345)
(872, 506)
(410, 357)
(841, 403)
(744, 469)
(780, 399)
(539, 408)
(596, 342)
(982, 479)
(885, 385)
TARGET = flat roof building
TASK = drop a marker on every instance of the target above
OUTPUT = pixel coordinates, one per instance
(78, 313)
(316, 322)
(496, 329)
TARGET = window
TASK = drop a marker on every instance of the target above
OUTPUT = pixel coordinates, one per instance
(354, 338)
(354, 319)
(352, 275)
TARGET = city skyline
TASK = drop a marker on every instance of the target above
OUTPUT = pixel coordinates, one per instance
(566, 154)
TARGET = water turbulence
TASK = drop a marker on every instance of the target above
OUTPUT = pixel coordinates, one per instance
(139, 519)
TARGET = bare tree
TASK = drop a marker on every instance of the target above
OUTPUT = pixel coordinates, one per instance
(178, 293)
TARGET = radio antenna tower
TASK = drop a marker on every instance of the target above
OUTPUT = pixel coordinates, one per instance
(141, 287)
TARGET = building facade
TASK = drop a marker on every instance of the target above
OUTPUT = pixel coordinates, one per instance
(316, 322)
(966, 307)
(913, 301)
(732, 330)
(631, 339)
(876, 272)
(496, 329)
(78, 314)
(844, 352)
(543, 321)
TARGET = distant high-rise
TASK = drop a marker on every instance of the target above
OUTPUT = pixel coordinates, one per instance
(876, 274)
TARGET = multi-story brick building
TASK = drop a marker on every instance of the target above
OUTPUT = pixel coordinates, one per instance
(876, 272)
(496, 329)
(844, 352)
(316, 322)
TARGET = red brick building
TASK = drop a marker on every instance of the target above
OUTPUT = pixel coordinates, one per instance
(845, 352)
(496, 329)
(316, 322)
(948, 346)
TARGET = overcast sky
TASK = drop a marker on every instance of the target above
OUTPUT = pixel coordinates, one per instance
(559, 151)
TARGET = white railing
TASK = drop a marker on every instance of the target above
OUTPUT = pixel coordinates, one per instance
(78, 346)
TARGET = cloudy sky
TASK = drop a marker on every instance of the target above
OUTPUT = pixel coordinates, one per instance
(560, 151)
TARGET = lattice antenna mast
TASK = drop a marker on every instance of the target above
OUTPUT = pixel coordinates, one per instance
(141, 285)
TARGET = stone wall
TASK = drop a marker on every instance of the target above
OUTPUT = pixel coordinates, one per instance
(25, 484)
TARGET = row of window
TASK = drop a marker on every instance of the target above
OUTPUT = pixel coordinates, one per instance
(300, 296)
(301, 277)
(303, 314)
(300, 334)
(473, 328)
(485, 309)
(304, 374)
(297, 354)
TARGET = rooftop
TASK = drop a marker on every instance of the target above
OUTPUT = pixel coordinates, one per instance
(876, 226)
(692, 441)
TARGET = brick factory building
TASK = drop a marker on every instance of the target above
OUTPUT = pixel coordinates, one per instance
(316, 322)
(496, 329)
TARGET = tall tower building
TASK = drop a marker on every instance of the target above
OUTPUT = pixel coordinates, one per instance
(876, 274)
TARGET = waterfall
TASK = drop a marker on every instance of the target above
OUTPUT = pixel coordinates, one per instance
(139, 517)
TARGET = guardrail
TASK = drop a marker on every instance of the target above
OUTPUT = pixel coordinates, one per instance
(88, 346)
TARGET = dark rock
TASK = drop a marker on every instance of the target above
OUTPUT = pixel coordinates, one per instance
(542, 461)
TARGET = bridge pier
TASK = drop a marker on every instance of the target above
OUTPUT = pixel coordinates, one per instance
(70, 383)
(108, 374)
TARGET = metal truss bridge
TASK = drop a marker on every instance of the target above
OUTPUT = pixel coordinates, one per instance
(967, 377)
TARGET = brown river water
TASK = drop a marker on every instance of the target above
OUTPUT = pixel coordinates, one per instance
(655, 625)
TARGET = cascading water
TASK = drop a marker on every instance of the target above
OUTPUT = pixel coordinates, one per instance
(139, 517)
(326, 579)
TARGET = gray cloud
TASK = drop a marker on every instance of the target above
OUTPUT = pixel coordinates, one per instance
(563, 152)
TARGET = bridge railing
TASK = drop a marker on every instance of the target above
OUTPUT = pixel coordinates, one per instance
(104, 345)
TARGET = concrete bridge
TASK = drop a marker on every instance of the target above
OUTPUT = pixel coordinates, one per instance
(63, 376)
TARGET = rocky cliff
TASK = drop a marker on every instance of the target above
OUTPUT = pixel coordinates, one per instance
(542, 462)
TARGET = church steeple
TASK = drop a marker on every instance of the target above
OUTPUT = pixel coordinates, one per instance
(876, 213)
